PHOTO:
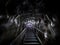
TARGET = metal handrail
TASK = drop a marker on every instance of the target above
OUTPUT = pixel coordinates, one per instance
(38, 36)
(48, 18)
(39, 39)
(19, 36)
(38, 30)
(52, 32)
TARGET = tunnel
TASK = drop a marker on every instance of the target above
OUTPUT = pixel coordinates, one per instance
(29, 22)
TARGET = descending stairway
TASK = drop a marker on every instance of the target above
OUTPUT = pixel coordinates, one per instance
(30, 38)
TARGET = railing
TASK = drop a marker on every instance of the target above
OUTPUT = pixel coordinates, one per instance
(19, 37)
(38, 30)
(44, 40)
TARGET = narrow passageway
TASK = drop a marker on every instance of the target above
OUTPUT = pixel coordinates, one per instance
(30, 38)
(29, 22)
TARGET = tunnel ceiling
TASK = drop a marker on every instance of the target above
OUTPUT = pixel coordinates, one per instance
(13, 7)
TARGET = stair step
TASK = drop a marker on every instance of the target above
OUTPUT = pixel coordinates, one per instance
(31, 40)
(32, 43)
(30, 37)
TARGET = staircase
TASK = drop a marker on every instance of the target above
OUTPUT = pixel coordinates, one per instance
(30, 38)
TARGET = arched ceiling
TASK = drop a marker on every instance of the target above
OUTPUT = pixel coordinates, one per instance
(13, 7)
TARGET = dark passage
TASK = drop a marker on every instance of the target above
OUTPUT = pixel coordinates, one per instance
(30, 38)
(29, 22)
